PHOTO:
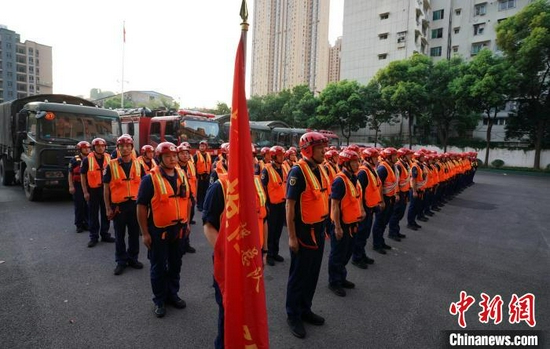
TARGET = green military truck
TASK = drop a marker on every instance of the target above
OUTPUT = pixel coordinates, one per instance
(38, 135)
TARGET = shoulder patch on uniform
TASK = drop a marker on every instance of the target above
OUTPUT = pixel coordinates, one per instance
(292, 181)
(263, 176)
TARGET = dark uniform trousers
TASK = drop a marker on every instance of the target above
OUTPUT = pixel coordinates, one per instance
(80, 207)
(275, 218)
(305, 266)
(98, 212)
(414, 207)
(219, 341)
(127, 218)
(340, 253)
(363, 233)
(186, 241)
(203, 181)
(165, 257)
(427, 201)
(398, 214)
(381, 220)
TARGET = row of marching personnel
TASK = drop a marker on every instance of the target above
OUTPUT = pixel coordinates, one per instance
(343, 196)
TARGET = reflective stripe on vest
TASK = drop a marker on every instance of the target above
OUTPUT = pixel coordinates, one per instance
(204, 166)
(276, 185)
(75, 171)
(123, 188)
(404, 177)
(372, 196)
(390, 184)
(350, 205)
(314, 199)
(146, 167)
(94, 176)
(169, 208)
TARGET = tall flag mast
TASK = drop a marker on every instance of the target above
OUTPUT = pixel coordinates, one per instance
(122, 81)
(238, 265)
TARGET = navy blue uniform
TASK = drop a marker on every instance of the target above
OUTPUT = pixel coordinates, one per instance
(81, 214)
(125, 218)
(99, 224)
(398, 209)
(382, 217)
(276, 216)
(415, 205)
(166, 248)
(203, 181)
(365, 226)
(340, 250)
(214, 204)
(305, 264)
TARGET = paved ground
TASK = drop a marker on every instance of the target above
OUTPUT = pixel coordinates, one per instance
(493, 238)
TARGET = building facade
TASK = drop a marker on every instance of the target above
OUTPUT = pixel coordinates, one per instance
(290, 45)
(377, 32)
(334, 61)
(25, 68)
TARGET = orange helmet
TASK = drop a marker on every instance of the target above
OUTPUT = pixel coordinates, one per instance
(146, 148)
(277, 150)
(83, 144)
(309, 140)
(165, 148)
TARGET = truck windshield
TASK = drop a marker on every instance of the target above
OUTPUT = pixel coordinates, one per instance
(68, 127)
(194, 131)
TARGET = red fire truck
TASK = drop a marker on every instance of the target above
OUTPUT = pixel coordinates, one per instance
(153, 127)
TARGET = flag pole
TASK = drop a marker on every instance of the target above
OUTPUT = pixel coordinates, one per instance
(122, 81)
(244, 29)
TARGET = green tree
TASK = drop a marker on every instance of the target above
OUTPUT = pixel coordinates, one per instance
(488, 84)
(222, 108)
(376, 108)
(403, 87)
(342, 104)
(525, 39)
(299, 109)
(114, 103)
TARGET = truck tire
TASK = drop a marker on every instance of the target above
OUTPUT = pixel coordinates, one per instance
(6, 177)
(31, 192)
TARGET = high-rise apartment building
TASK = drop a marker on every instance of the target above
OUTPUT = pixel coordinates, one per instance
(25, 68)
(290, 45)
(334, 61)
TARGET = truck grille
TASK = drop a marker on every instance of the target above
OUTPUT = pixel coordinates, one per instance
(56, 157)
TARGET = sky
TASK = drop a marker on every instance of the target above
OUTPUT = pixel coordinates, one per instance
(184, 49)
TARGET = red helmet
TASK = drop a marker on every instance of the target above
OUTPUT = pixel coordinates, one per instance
(330, 154)
(418, 154)
(182, 147)
(125, 139)
(309, 140)
(146, 148)
(289, 152)
(186, 144)
(354, 147)
(388, 152)
(370, 153)
(277, 150)
(165, 148)
(403, 151)
(224, 148)
(347, 156)
(98, 141)
(82, 144)
(333, 147)
(264, 150)
(204, 142)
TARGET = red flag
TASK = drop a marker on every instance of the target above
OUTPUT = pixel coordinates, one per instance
(238, 266)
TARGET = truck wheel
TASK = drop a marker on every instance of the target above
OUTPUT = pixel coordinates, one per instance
(6, 177)
(31, 192)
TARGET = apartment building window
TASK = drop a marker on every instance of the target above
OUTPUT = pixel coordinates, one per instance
(458, 11)
(455, 48)
(478, 46)
(31, 51)
(439, 14)
(31, 79)
(480, 9)
(401, 37)
(383, 36)
(437, 33)
(31, 88)
(504, 5)
(31, 70)
(384, 15)
(382, 56)
(479, 28)
(457, 30)
(435, 51)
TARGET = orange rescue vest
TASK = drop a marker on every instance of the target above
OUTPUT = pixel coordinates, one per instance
(390, 184)
(276, 186)
(94, 176)
(314, 199)
(350, 206)
(204, 163)
(169, 208)
(124, 188)
(372, 196)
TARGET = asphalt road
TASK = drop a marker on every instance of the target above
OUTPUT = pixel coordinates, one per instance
(492, 238)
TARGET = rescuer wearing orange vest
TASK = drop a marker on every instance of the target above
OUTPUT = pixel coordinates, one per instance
(274, 179)
(116, 153)
(404, 156)
(430, 187)
(372, 199)
(219, 167)
(120, 188)
(331, 164)
(418, 183)
(266, 157)
(203, 162)
(146, 158)
(91, 176)
(307, 212)
(346, 214)
(163, 208)
(75, 187)
(189, 168)
(389, 177)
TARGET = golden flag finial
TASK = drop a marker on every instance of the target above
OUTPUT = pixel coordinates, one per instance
(244, 15)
